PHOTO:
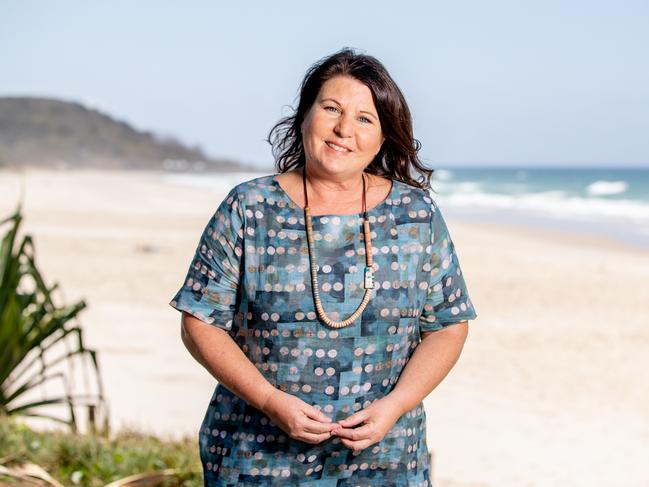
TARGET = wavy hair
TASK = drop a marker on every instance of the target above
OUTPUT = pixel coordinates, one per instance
(397, 158)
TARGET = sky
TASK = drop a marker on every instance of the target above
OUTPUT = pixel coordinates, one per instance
(507, 83)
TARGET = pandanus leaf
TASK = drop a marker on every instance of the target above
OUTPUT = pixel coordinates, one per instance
(34, 334)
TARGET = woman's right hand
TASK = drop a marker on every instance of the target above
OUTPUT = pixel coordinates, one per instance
(299, 420)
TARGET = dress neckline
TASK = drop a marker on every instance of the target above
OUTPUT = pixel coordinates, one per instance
(381, 204)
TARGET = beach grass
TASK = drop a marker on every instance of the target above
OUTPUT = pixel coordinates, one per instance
(93, 460)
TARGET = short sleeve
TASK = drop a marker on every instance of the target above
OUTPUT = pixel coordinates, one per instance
(210, 289)
(448, 299)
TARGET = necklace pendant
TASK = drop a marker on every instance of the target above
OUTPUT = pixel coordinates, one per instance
(369, 278)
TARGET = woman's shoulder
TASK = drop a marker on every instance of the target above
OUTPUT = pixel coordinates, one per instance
(409, 195)
(245, 199)
(411, 204)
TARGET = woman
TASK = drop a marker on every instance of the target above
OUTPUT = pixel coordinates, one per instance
(322, 297)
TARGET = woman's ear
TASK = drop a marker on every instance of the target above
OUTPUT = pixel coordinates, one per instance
(380, 146)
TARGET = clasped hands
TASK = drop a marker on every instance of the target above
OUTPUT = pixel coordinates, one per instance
(304, 422)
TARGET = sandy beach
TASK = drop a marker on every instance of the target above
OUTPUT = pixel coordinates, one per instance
(552, 388)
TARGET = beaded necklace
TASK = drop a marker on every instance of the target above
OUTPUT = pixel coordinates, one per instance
(368, 283)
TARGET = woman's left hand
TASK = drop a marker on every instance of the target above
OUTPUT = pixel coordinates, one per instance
(377, 420)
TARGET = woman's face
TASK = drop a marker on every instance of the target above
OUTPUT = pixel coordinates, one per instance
(341, 132)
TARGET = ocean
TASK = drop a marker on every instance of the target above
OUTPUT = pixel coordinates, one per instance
(603, 201)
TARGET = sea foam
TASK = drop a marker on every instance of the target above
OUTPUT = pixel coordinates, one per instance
(602, 188)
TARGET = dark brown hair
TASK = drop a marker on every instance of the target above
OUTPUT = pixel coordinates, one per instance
(397, 158)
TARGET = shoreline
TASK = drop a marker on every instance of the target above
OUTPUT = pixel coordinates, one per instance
(603, 231)
(567, 237)
(536, 224)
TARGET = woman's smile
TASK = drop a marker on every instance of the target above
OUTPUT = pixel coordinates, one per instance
(336, 148)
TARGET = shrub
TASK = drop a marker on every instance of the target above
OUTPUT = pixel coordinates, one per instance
(38, 339)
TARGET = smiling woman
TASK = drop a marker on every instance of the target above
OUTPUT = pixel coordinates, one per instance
(338, 135)
(327, 299)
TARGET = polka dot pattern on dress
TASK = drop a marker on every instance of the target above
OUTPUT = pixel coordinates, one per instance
(250, 276)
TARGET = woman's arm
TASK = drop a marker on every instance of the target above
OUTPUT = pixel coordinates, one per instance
(431, 361)
(215, 350)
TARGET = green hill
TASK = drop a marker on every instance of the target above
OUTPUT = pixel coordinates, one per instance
(54, 133)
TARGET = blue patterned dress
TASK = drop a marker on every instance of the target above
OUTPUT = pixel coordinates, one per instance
(250, 276)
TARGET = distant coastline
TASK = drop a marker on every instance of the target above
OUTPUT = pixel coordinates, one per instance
(57, 134)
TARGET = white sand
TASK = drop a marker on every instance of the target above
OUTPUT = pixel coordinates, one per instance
(552, 388)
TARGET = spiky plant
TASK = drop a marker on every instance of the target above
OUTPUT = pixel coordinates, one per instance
(40, 341)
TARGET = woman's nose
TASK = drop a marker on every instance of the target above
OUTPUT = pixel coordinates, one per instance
(344, 127)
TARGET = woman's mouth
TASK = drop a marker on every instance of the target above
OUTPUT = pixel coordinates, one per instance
(337, 148)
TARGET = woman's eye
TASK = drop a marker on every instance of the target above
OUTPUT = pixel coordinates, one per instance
(335, 109)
